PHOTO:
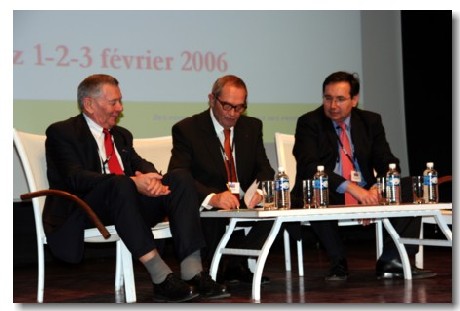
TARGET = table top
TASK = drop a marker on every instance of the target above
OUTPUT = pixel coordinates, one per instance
(332, 209)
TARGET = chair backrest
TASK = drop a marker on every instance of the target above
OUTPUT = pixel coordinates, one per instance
(31, 152)
(284, 143)
(156, 150)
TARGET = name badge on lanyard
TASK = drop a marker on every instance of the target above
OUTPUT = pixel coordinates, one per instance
(355, 176)
(234, 187)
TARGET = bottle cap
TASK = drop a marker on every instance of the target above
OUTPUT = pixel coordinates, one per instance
(281, 169)
(429, 164)
(392, 166)
(320, 167)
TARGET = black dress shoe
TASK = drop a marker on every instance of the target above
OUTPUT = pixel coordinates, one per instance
(207, 287)
(393, 269)
(338, 271)
(241, 273)
(173, 289)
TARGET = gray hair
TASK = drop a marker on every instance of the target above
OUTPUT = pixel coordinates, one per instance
(92, 86)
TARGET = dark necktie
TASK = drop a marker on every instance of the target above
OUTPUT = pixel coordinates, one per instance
(111, 157)
(229, 163)
(347, 164)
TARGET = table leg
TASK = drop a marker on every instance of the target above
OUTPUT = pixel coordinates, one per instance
(442, 224)
(223, 242)
(401, 248)
(260, 264)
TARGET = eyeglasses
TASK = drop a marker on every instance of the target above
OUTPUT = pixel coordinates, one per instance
(339, 99)
(227, 106)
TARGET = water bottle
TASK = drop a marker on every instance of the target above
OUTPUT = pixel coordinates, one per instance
(282, 190)
(393, 186)
(430, 184)
(321, 188)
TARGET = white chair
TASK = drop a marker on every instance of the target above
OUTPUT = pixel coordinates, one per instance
(284, 144)
(156, 150)
(31, 151)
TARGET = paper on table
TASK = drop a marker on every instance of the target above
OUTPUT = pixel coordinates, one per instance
(250, 192)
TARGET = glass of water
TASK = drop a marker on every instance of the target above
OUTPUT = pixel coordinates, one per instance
(268, 190)
(308, 199)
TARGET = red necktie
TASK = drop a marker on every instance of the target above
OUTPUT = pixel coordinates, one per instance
(229, 163)
(347, 164)
(114, 165)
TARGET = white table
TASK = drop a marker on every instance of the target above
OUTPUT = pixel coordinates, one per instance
(377, 212)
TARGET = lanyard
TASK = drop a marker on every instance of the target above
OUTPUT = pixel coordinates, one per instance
(228, 165)
(223, 150)
(343, 148)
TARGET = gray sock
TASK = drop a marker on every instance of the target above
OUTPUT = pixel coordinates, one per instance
(191, 266)
(158, 269)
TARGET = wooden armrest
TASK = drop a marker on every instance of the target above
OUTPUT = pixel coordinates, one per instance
(443, 179)
(88, 210)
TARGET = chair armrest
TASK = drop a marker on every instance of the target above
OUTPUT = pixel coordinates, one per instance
(82, 204)
(443, 179)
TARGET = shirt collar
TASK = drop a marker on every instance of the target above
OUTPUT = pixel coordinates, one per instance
(95, 128)
(217, 127)
(346, 121)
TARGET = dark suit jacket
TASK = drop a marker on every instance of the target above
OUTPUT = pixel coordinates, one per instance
(74, 165)
(197, 148)
(316, 143)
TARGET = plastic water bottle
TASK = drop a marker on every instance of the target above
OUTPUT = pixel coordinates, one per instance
(430, 184)
(321, 187)
(393, 185)
(282, 190)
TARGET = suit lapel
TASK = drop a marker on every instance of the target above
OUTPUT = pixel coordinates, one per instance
(120, 144)
(331, 135)
(88, 144)
(240, 139)
(212, 143)
(358, 135)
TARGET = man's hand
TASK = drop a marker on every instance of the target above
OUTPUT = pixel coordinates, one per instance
(256, 199)
(224, 200)
(149, 184)
(365, 197)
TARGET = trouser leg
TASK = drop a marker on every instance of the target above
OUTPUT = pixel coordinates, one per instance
(183, 213)
(407, 227)
(329, 236)
(116, 201)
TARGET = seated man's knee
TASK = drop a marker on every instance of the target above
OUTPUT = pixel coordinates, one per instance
(123, 184)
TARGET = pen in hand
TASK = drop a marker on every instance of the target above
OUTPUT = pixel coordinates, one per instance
(228, 188)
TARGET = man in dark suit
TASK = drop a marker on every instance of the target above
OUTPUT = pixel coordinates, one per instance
(133, 197)
(199, 147)
(318, 142)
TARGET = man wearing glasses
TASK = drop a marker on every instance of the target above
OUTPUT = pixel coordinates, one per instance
(224, 166)
(338, 134)
(92, 156)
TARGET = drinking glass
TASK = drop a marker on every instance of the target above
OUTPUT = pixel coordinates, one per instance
(417, 190)
(381, 183)
(268, 190)
(308, 200)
